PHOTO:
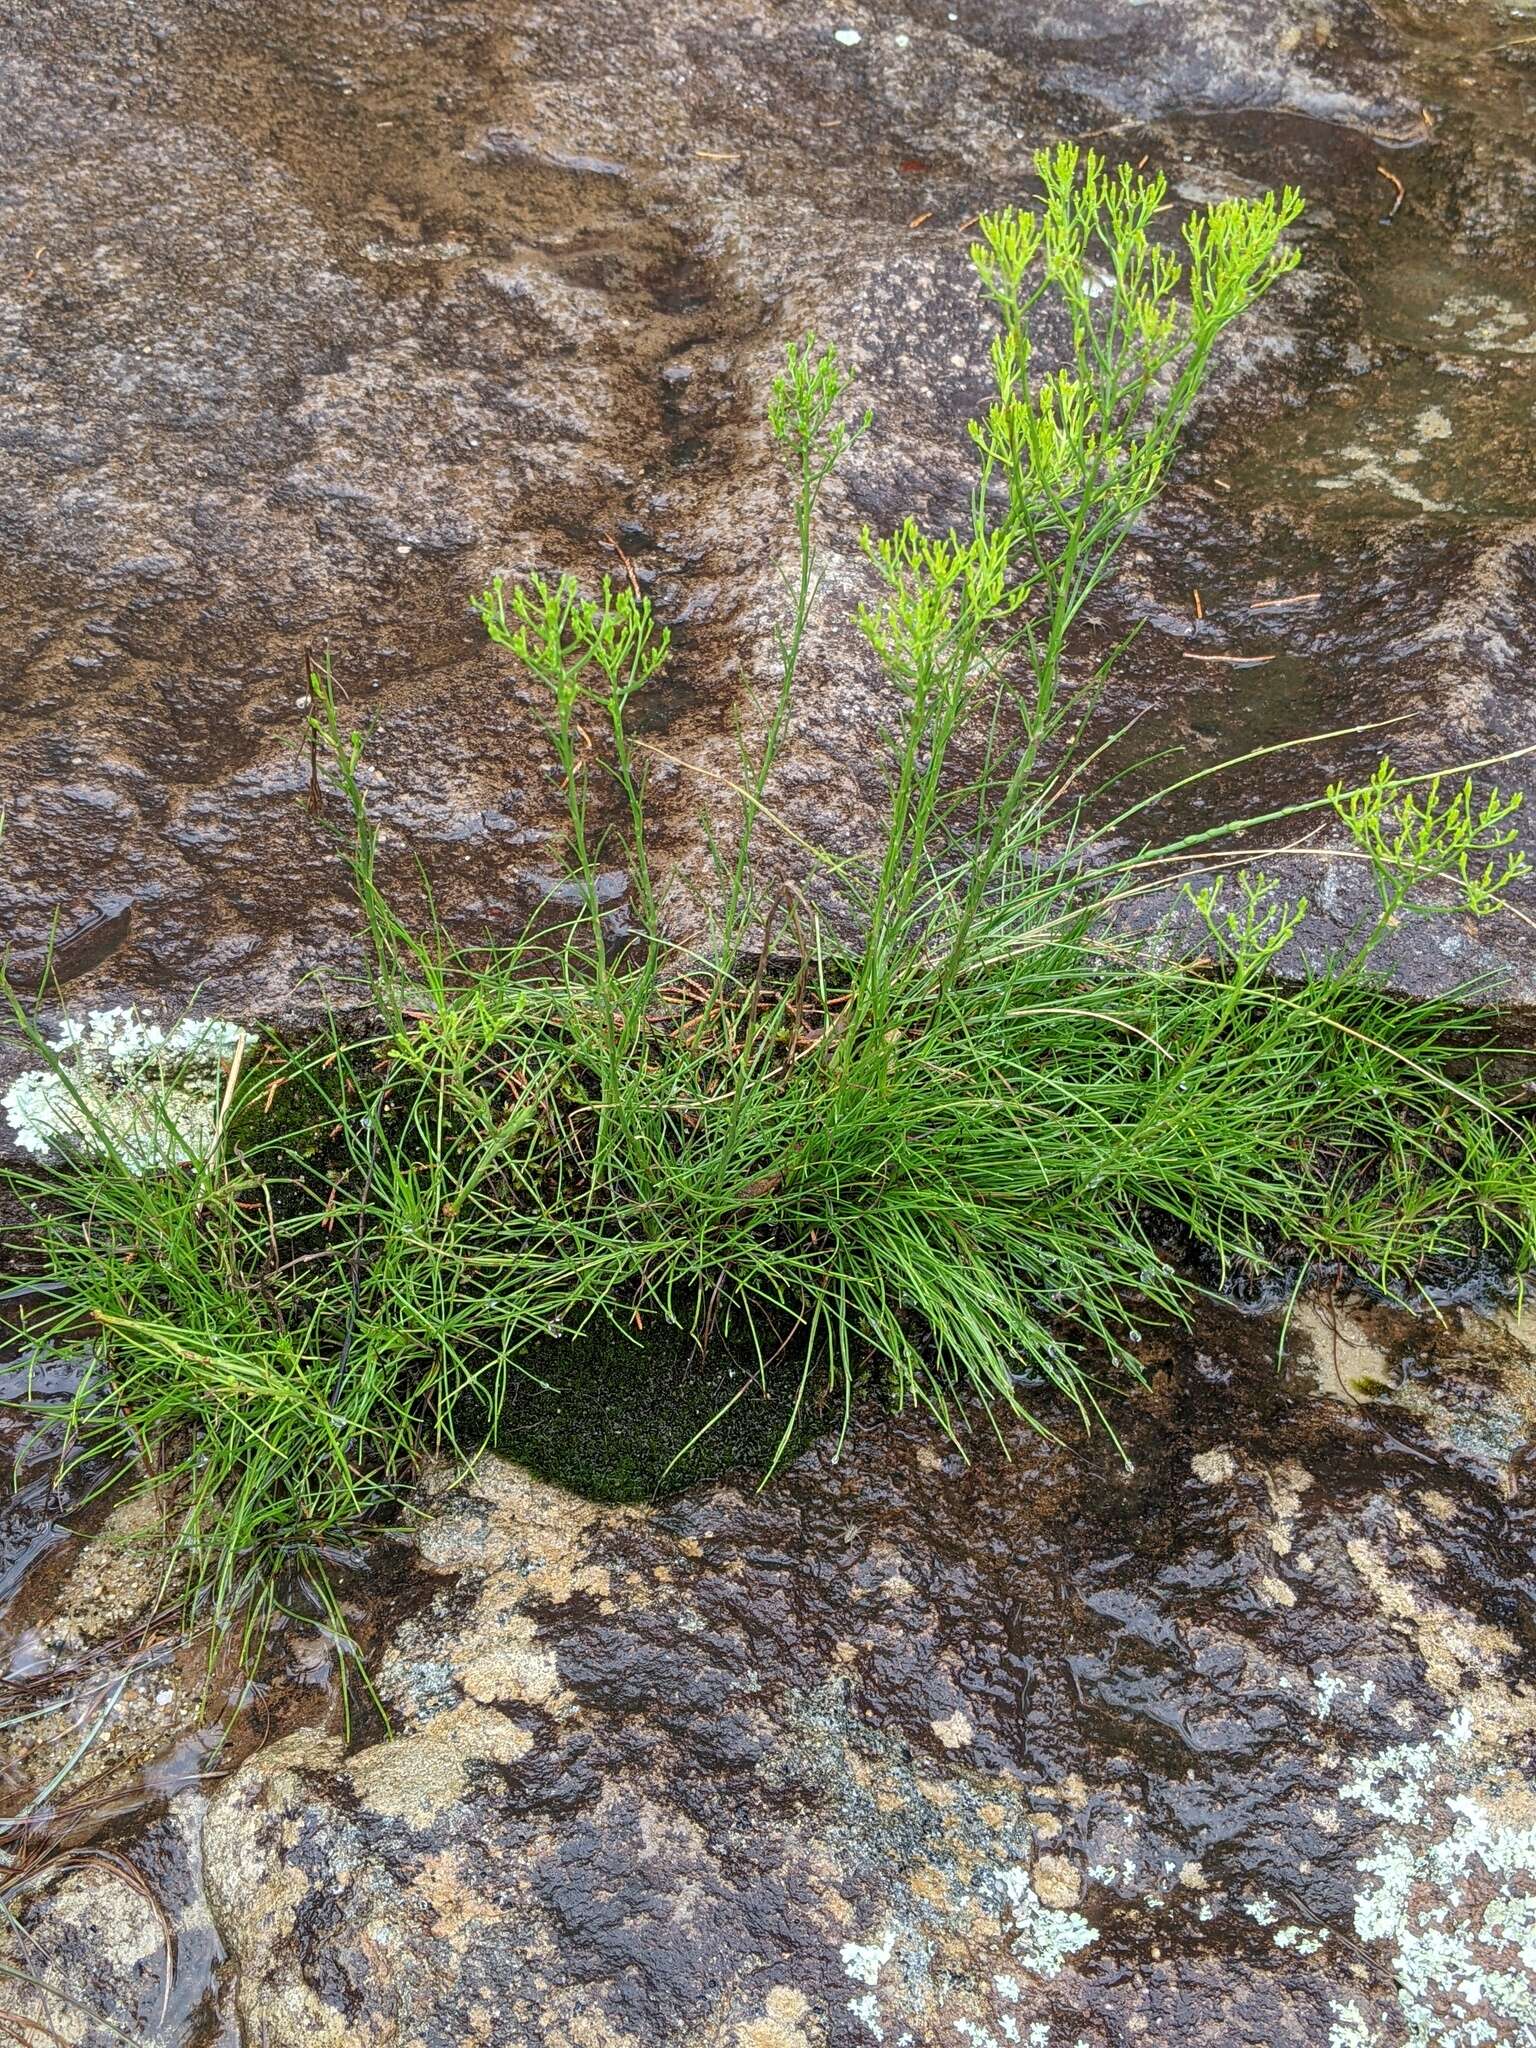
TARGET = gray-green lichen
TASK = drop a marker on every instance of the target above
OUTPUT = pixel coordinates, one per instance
(1450, 1887)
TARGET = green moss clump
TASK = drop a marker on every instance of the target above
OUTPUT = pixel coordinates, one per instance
(607, 1413)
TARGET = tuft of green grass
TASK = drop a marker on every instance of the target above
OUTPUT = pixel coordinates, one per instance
(954, 1135)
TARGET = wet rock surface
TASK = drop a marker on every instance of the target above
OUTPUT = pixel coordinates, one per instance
(321, 316)
(1232, 1746)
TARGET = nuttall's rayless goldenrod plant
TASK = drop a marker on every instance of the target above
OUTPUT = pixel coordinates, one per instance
(952, 1137)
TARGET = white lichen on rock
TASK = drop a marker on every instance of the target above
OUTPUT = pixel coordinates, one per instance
(144, 1093)
(1306, 1941)
(865, 1961)
(1452, 1889)
(1043, 1936)
(867, 2009)
(1351, 2028)
(1263, 1909)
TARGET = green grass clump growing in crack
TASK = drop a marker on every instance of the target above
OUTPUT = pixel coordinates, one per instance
(934, 1119)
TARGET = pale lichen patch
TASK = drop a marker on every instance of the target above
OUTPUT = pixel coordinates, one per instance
(1370, 468)
(1305, 1941)
(1458, 1652)
(1215, 1467)
(863, 1961)
(1450, 1889)
(514, 1669)
(1341, 1357)
(1285, 1484)
(954, 1730)
(1044, 1938)
(1057, 1881)
(416, 1778)
(784, 2022)
(1351, 2028)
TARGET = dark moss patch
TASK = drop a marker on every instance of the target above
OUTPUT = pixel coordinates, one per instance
(607, 1413)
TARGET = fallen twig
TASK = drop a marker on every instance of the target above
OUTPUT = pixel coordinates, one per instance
(629, 567)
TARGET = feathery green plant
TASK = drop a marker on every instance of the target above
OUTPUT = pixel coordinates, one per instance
(960, 1145)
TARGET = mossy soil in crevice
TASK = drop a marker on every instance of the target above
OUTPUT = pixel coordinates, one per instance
(628, 1417)
(622, 1411)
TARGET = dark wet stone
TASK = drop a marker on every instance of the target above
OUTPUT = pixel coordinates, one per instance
(33, 1507)
(1238, 1734)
